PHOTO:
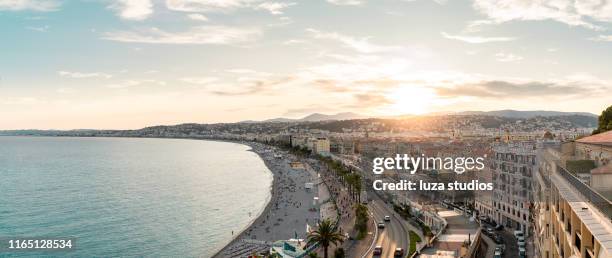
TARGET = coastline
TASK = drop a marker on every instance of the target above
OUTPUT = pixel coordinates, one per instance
(259, 217)
(275, 200)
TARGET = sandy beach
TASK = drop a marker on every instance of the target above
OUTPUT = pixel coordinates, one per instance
(290, 207)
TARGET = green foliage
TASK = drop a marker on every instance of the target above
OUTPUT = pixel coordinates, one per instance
(325, 235)
(300, 151)
(403, 210)
(414, 238)
(313, 255)
(579, 166)
(605, 121)
(361, 220)
(339, 253)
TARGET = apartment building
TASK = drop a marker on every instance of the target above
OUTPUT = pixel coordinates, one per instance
(570, 218)
(513, 165)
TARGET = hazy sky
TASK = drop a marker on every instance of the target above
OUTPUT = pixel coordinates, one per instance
(133, 63)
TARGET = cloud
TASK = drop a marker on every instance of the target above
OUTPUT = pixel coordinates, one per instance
(30, 5)
(133, 9)
(199, 80)
(80, 75)
(346, 2)
(131, 83)
(255, 86)
(274, 8)
(506, 89)
(208, 5)
(477, 39)
(602, 38)
(361, 45)
(507, 57)
(369, 100)
(197, 17)
(214, 35)
(571, 12)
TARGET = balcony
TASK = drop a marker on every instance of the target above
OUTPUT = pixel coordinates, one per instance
(600, 202)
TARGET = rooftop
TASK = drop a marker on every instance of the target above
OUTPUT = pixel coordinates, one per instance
(604, 138)
(597, 223)
(607, 169)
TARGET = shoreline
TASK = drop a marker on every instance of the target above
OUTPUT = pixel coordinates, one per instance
(259, 217)
(255, 147)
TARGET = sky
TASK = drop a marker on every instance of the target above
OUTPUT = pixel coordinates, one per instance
(125, 64)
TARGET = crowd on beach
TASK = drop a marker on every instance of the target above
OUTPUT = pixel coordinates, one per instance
(290, 207)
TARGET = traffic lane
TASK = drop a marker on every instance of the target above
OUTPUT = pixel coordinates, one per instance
(397, 222)
(385, 236)
(511, 244)
(509, 241)
(393, 235)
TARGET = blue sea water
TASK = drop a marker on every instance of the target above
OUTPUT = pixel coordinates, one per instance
(129, 196)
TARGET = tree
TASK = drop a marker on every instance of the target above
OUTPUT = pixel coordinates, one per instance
(313, 255)
(325, 235)
(605, 121)
(339, 253)
(361, 220)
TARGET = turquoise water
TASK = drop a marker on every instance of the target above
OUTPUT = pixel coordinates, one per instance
(129, 197)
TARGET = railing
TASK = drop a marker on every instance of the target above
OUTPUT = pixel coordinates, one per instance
(600, 202)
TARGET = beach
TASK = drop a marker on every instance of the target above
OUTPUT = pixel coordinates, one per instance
(291, 207)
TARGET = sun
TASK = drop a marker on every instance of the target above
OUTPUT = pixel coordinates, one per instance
(410, 99)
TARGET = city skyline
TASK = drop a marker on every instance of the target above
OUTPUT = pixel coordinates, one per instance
(130, 64)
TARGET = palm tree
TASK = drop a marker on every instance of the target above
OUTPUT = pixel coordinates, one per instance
(325, 235)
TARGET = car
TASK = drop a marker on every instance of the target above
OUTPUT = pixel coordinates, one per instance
(499, 249)
(518, 233)
(522, 252)
(499, 227)
(498, 239)
(377, 250)
(381, 224)
(497, 254)
(387, 218)
(520, 239)
(521, 244)
(490, 231)
(399, 252)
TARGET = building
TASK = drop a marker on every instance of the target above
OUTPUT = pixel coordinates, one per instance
(596, 147)
(570, 218)
(483, 200)
(512, 176)
(321, 146)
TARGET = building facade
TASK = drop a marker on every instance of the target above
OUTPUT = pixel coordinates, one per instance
(512, 184)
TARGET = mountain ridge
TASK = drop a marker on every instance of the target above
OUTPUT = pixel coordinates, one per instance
(510, 113)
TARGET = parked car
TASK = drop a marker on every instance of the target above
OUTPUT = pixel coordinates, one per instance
(518, 233)
(399, 252)
(498, 239)
(497, 254)
(499, 227)
(377, 250)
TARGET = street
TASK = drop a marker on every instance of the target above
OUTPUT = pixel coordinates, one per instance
(394, 234)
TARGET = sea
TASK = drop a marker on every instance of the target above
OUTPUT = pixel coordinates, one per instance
(128, 197)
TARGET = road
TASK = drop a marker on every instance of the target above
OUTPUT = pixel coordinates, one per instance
(394, 234)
